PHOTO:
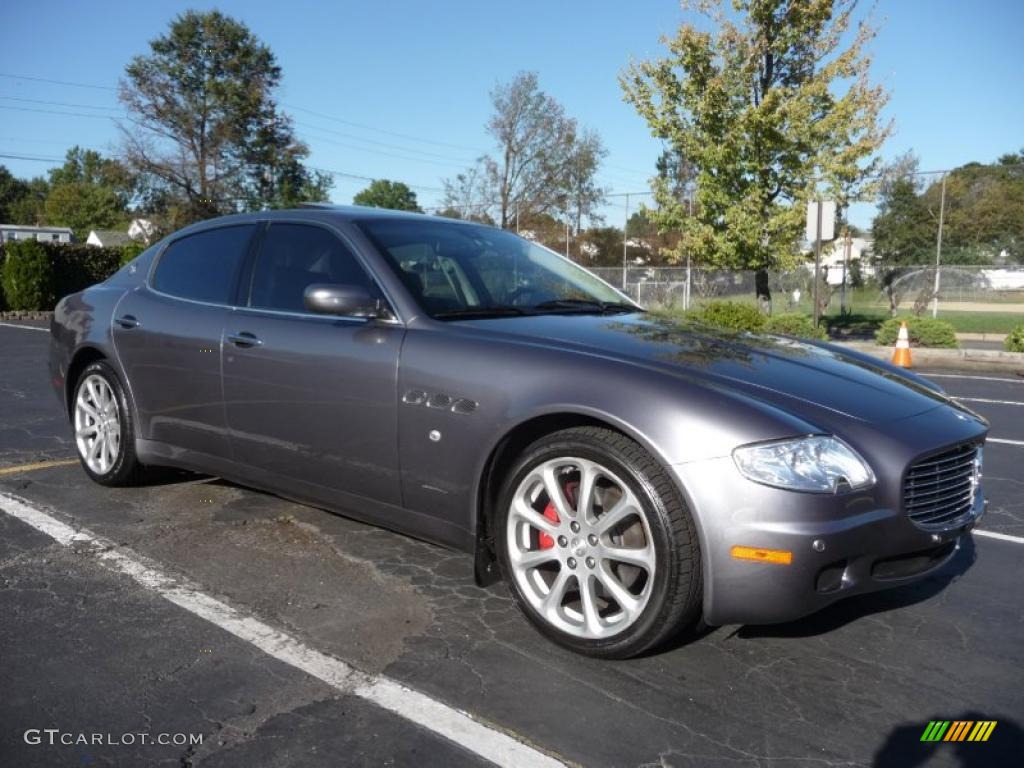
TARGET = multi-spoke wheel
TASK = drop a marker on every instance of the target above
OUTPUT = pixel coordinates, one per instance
(596, 544)
(103, 429)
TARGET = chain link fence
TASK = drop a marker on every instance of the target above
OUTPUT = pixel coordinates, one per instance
(860, 290)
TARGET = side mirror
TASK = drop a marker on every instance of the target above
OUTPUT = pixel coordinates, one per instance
(348, 300)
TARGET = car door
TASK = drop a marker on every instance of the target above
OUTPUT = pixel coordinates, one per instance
(311, 399)
(167, 334)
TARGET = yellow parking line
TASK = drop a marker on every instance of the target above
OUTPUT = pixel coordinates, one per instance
(37, 465)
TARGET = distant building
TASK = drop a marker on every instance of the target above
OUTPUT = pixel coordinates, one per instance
(108, 238)
(142, 230)
(11, 232)
(833, 254)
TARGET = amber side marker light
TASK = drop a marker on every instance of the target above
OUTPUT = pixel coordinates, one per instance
(777, 556)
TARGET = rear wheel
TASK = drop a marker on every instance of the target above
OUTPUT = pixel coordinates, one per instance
(596, 545)
(104, 432)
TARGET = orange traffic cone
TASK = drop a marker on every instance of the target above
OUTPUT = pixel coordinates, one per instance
(901, 355)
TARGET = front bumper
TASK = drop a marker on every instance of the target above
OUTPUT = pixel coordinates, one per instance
(841, 546)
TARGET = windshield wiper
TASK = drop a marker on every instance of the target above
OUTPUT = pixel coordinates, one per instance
(479, 312)
(585, 305)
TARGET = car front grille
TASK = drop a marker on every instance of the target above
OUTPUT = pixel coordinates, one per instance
(939, 490)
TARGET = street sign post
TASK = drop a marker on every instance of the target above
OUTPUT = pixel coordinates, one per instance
(821, 225)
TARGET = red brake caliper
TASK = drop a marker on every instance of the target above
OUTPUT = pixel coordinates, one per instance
(544, 540)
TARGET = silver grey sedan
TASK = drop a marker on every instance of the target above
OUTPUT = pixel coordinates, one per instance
(624, 475)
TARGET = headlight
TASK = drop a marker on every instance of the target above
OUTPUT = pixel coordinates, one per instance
(818, 464)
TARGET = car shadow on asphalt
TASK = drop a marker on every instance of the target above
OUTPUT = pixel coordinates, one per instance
(904, 748)
(851, 609)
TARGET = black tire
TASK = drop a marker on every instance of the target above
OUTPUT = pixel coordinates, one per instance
(126, 469)
(676, 591)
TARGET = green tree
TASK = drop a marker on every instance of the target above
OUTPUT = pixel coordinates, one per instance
(88, 192)
(12, 191)
(903, 230)
(207, 134)
(383, 193)
(21, 202)
(984, 213)
(770, 108)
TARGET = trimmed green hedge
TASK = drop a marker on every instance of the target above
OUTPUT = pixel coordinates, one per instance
(731, 315)
(41, 273)
(923, 332)
(1015, 339)
(737, 316)
(27, 276)
(794, 324)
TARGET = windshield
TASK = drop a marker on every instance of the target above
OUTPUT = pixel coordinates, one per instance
(460, 270)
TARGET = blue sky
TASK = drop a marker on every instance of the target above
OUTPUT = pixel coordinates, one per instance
(415, 77)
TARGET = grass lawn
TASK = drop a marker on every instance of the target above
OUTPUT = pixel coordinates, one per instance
(863, 324)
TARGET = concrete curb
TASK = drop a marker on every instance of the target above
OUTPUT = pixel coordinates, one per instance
(977, 360)
(20, 314)
(1000, 337)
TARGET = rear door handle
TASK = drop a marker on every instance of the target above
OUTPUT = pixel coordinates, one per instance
(127, 322)
(244, 339)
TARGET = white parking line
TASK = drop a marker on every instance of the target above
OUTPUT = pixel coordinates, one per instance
(24, 327)
(1000, 536)
(987, 400)
(1004, 441)
(453, 724)
(977, 378)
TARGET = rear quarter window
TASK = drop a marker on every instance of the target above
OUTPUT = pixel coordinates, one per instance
(204, 266)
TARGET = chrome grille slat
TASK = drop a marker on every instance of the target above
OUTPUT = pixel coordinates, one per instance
(938, 491)
(953, 499)
(918, 485)
(950, 489)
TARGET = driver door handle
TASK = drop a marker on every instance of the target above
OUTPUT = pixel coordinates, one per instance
(244, 339)
(127, 322)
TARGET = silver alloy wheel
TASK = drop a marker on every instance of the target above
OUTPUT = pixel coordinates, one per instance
(97, 424)
(580, 548)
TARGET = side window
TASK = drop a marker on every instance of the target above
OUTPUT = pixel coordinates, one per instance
(203, 267)
(294, 256)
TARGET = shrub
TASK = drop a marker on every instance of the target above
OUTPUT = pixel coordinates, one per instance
(77, 266)
(923, 332)
(130, 251)
(794, 324)
(731, 315)
(1015, 339)
(27, 276)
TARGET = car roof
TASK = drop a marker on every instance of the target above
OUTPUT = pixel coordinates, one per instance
(325, 212)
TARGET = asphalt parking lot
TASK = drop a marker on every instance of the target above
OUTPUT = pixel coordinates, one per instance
(86, 648)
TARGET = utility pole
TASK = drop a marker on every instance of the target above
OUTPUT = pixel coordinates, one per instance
(817, 265)
(625, 226)
(686, 293)
(938, 248)
(846, 266)
(567, 235)
(517, 217)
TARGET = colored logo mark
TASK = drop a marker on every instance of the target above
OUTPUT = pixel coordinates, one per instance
(958, 730)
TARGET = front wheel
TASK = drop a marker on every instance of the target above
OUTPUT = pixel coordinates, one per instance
(596, 544)
(104, 432)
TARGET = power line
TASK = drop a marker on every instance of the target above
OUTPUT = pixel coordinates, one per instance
(56, 112)
(461, 161)
(32, 159)
(58, 103)
(57, 82)
(380, 130)
(447, 164)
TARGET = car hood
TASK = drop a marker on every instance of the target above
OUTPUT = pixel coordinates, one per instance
(801, 377)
